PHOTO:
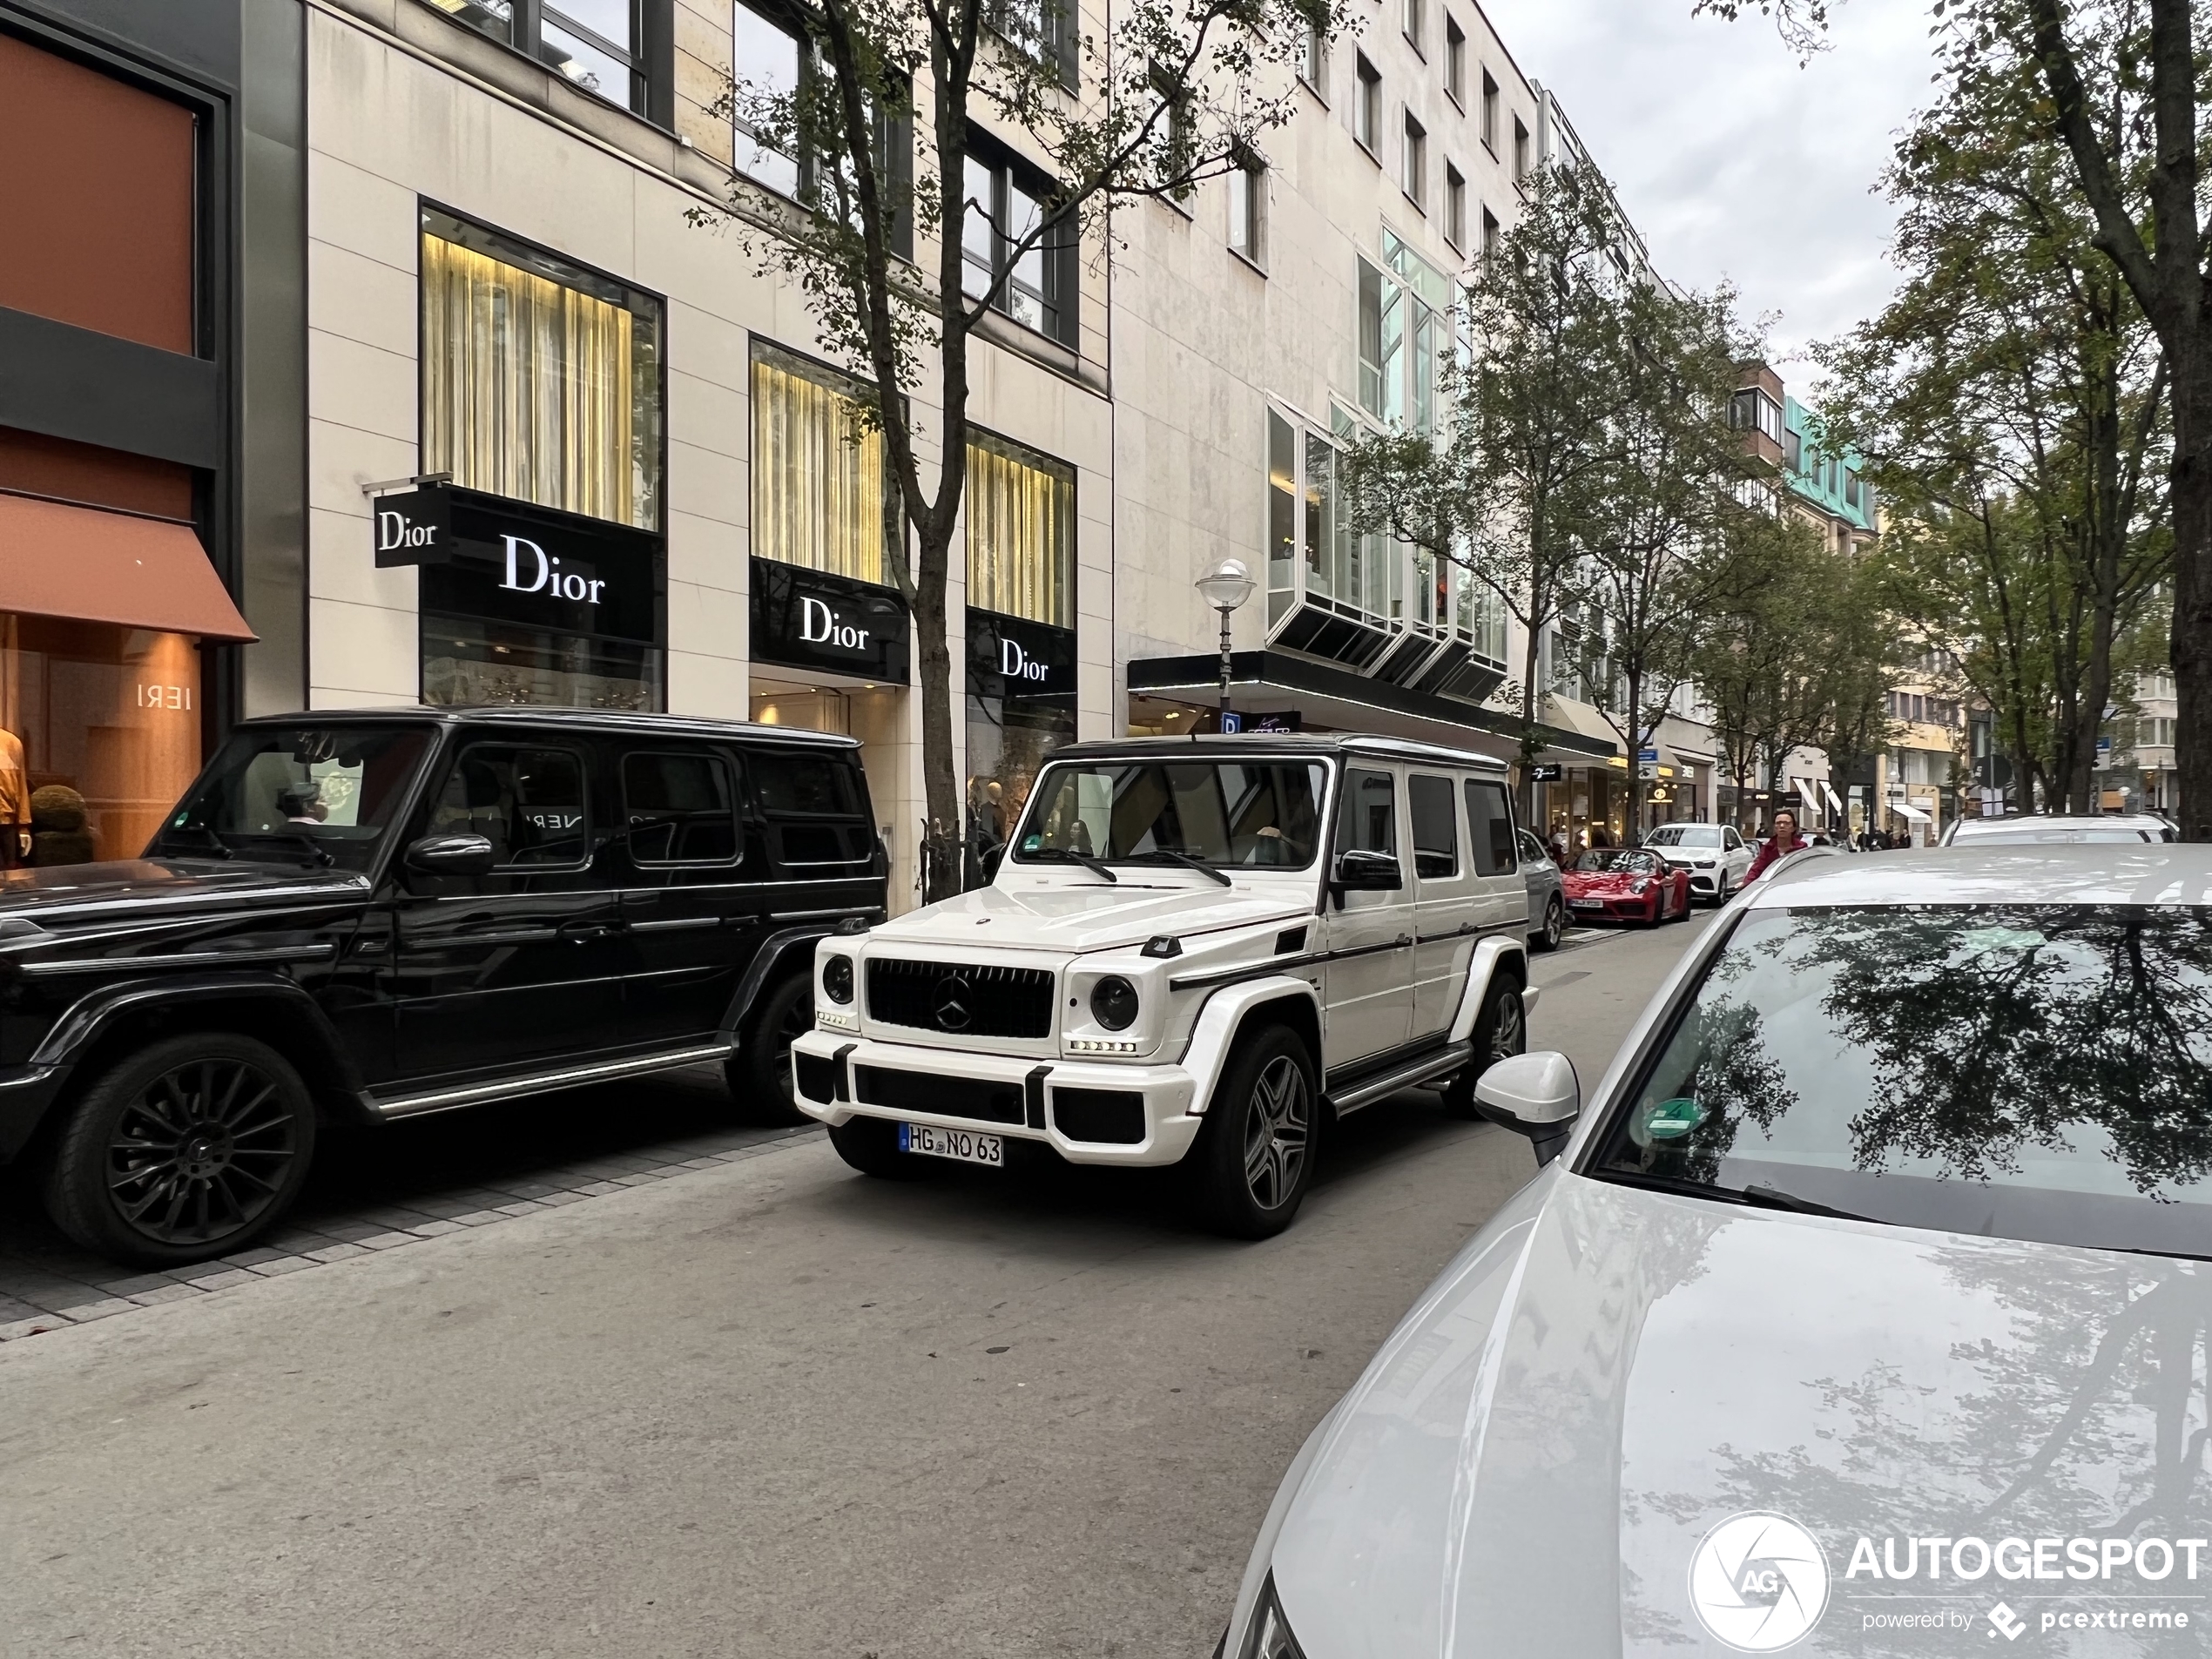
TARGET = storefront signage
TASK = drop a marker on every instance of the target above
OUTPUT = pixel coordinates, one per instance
(1550, 774)
(810, 620)
(548, 571)
(413, 526)
(1280, 720)
(1019, 660)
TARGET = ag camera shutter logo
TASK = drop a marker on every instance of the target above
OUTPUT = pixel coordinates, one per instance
(1758, 1582)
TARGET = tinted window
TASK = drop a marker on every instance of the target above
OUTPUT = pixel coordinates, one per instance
(1490, 827)
(1367, 821)
(1436, 828)
(2022, 1071)
(814, 784)
(680, 808)
(528, 802)
(816, 809)
(307, 792)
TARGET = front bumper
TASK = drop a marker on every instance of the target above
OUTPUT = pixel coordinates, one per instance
(978, 1091)
(1642, 909)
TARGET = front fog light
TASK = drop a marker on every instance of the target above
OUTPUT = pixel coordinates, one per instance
(1113, 1003)
(1270, 1636)
(836, 979)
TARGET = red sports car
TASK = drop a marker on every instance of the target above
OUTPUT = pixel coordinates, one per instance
(1626, 884)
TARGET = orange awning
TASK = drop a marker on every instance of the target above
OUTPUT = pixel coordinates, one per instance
(57, 560)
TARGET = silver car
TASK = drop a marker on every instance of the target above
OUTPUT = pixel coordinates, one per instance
(1864, 1306)
(1546, 894)
(2049, 829)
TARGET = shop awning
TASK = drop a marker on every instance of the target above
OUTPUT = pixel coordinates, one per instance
(1829, 790)
(1906, 809)
(80, 563)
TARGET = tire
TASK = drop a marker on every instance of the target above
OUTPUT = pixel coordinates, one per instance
(1548, 936)
(1254, 1158)
(1501, 1030)
(187, 1149)
(870, 1145)
(760, 1073)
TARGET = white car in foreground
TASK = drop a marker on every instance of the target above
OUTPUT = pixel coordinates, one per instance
(1867, 1310)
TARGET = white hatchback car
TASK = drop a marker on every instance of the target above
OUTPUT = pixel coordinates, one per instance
(1716, 856)
(1867, 1307)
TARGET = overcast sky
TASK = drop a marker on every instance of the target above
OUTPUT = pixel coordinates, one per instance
(1732, 160)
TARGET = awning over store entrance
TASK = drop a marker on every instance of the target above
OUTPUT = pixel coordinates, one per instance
(87, 565)
(1335, 699)
(1907, 810)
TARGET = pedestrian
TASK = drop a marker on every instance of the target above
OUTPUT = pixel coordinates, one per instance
(1784, 842)
(1600, 836)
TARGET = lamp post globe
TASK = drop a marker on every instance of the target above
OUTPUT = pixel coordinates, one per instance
(1225, 588)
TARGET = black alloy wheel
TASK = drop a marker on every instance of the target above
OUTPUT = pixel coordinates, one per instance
(1253, 1160)
(1554, 924)
(183, 1151)
(1500, 1031)
(760, 1073)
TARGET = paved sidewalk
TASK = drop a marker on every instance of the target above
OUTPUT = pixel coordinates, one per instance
(382, 1190)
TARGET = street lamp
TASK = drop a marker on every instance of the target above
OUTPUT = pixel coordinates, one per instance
(1225, 587)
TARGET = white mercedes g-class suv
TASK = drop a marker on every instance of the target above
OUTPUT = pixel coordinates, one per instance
(1200, 951)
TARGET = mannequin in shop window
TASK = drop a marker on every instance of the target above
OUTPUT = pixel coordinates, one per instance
(15, 802)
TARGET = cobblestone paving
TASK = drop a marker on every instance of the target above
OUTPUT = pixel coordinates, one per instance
(385, 1189)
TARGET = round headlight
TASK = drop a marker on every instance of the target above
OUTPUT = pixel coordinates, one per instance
(1113, 1002)
(836, 979)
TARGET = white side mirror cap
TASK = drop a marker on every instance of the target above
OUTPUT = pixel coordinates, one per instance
(1532, 1092)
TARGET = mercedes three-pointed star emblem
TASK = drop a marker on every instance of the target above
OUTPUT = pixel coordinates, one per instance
(953, 992)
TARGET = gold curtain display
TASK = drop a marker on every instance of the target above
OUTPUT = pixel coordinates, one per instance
(1021, 535)
(818, 489)
(527, 387)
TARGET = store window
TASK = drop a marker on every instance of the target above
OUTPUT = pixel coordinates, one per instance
(821, 498)
(1021, 510)
(99, 736)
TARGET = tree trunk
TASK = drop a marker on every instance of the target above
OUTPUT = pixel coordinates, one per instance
(1531, 717)
(2191, 502)
(944, 830)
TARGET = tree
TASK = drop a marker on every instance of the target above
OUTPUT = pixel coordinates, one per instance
(892, 101)
(1495, 491)
(2010, 399)
(2120, 86)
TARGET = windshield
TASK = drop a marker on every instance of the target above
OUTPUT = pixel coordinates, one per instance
(1618, 860)
(2037, 1072)
(1685, 835)
(2052, 835)
(1263, 814)
(306, 794)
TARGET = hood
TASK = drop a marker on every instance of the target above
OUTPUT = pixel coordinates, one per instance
(1075, 917)
(1535, 1457)
(1605, 881)
(68, 893)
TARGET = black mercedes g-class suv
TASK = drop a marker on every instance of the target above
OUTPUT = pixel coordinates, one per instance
(363, 916)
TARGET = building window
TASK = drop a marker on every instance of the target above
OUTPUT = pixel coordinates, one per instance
(541, 381)
(821, 498)
(1455, 60)
(1020, 511)
(767, 67)
(1414, 176)
(1367, 113)
(1520, 151)
(1005, 208)
(1491, 235)
(1417, 25)
(597, 45)
(1313, 64)
(1046, 29)
(1489, 113)
(1248, 209)
(1405, 335)
(1455, 207)
(1752, 410)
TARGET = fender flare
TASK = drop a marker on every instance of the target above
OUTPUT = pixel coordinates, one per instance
(1213, 1035)
(1490, 955)
(98, 1011)
(769, 965)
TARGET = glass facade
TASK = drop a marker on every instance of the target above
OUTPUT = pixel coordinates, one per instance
(821, 498)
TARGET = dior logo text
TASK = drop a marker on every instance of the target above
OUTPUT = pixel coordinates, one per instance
(394, 532)
(1016, 663)
(819, 625)
(548, 578)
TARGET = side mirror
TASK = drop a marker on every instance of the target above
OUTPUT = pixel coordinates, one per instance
(452, 855)
(1359, 871)
(1536, 1095)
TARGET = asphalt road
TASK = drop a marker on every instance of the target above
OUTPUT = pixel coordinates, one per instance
(762, 1407)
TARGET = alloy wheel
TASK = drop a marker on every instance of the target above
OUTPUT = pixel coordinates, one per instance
(1277, 1130)
(1509, 1031)
(1554, 924)
(202, 1151)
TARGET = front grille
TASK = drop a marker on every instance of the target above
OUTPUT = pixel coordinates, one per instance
(962, 999)
(1111, 1116)
(917, 1091)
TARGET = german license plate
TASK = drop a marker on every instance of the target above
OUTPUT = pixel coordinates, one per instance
(963, 1144)
(1587, 904)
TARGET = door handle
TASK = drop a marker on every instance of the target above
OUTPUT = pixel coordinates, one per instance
(577, 933)
(1405, 940)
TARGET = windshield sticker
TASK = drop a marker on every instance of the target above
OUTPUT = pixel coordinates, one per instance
(1672, 1119)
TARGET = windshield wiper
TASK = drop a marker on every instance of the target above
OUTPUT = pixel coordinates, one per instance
(1757, 1197)
(1083, 859)
(1183, 858)
(216, 844)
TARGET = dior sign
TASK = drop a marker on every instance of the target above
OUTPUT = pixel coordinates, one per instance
(1016, 665)
(819, 621)
(1020, 661)
(552, 572)
(819, 624)
(545, 574)
(412, 527)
